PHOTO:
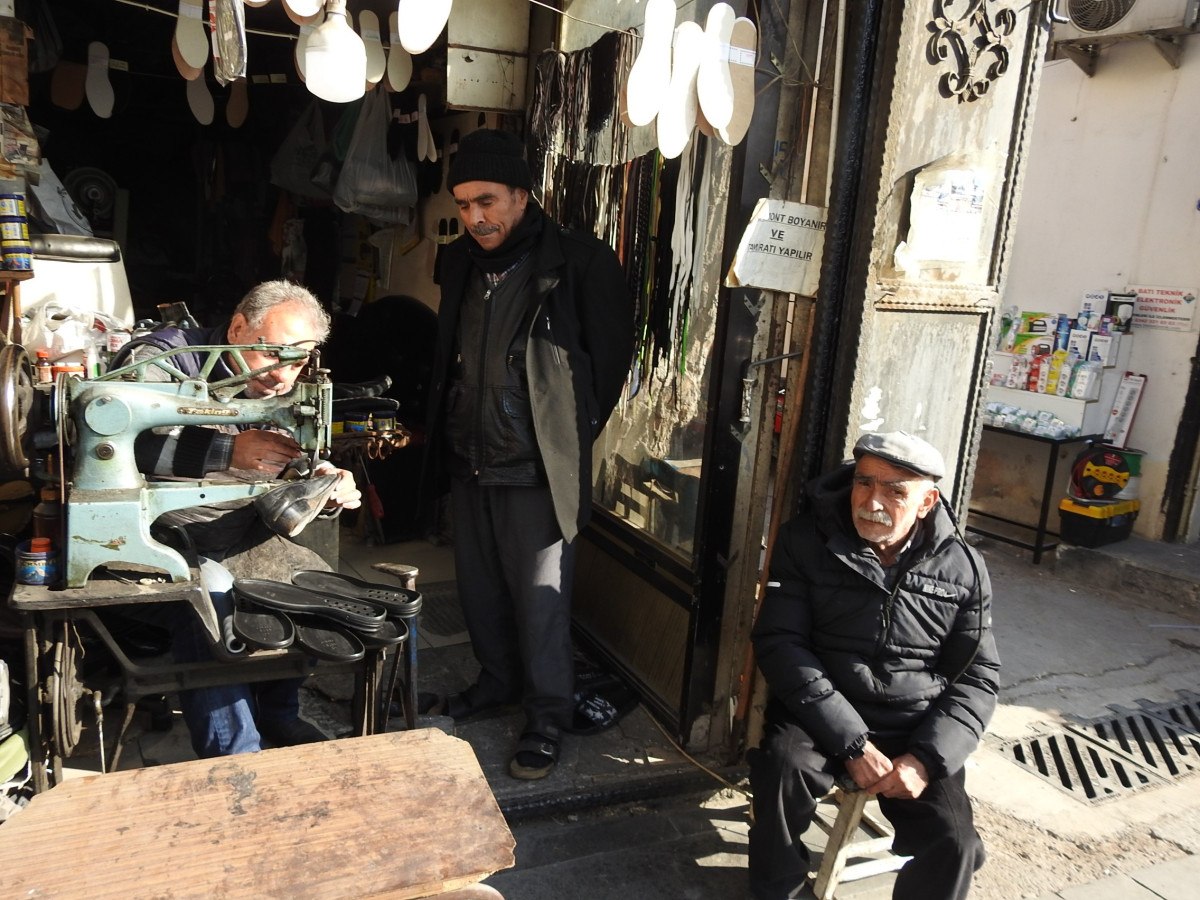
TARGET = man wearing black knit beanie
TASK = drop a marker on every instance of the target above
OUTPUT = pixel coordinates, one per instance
(534, 344)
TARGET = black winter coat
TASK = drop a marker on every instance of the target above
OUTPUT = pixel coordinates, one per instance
(578, 351)
(847, 657)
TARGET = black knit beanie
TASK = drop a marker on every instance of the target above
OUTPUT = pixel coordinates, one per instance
(490, 155)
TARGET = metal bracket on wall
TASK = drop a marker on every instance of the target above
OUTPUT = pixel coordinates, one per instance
(748, 381)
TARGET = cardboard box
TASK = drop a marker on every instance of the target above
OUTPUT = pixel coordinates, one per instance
(1120, 308)
(1077, 342)
(1093, 305)
(1104, 347)
(1039, 323)
(1028, 344)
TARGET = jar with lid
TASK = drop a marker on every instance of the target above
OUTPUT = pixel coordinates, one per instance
(45, 370)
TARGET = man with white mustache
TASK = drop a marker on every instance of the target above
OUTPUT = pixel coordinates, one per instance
(875, 640)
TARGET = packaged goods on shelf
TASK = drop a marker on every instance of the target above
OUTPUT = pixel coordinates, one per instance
(1039, 422)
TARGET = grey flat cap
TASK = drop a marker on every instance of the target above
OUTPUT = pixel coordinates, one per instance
(905, 450)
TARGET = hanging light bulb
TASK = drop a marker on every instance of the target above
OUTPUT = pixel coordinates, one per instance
(335, 58)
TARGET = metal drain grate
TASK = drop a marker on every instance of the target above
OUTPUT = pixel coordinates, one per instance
(1155, 738)
(1101, 759)
(1085, 768)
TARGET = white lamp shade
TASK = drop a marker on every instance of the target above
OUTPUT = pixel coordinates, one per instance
(420, 22)
(335, 60)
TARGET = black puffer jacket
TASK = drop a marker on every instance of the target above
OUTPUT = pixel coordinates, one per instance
(846, 656)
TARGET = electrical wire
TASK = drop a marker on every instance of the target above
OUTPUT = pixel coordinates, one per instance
(278, 34)
(699, 765)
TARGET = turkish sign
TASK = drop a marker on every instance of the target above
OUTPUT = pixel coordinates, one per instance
(1161, 307)
(780, 249)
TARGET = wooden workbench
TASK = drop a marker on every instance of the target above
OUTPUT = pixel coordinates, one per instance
(406, 814)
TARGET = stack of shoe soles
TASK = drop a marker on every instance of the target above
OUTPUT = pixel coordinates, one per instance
(329, 616)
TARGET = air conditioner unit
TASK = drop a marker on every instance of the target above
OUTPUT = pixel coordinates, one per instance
(1104, 21)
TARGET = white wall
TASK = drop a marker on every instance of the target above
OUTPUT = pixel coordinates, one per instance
(1110, 200)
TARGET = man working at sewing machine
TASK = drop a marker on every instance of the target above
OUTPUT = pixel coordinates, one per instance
(232, 719)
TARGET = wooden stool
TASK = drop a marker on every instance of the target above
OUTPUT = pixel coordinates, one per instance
(842, 845)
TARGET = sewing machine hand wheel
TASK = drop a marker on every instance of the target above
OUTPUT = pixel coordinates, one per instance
(17, 398)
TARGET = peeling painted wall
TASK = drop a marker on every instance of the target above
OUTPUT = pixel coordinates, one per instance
(925, 318)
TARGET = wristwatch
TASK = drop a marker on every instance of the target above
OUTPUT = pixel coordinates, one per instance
(856, 749)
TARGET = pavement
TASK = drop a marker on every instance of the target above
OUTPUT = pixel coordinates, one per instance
(628, 814)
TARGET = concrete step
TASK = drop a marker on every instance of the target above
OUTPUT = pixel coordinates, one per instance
(1152, 573)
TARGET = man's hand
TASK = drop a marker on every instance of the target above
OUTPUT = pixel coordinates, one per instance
(346, 494)
(263, 451)
(907, 780)
(869, 768)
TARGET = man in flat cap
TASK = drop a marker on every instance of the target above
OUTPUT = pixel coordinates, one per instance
(535, 338)
(875, 640)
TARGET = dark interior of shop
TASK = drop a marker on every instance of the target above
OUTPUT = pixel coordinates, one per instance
(198, 216)
(200, 201)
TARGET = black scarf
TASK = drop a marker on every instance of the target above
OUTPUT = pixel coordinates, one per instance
(522, 240)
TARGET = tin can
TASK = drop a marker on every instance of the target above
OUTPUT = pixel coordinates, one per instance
(383, 420)
(12, 205)
(37, 562)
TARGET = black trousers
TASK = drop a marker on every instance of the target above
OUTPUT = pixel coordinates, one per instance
(788, 774)
(515, 574)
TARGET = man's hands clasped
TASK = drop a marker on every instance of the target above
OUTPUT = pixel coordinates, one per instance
(902, 778)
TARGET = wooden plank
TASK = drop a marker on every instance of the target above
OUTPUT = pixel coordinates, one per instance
(407, 814)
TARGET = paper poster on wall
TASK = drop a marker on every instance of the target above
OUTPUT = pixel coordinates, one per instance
(1173, 309)
(780, 249)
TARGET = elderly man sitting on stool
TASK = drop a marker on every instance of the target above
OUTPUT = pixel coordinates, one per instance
(875, 640)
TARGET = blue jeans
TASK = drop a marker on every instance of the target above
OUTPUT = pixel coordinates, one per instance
(222, 720)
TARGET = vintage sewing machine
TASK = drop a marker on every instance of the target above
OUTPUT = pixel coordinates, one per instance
(109, 505)
(109, 556)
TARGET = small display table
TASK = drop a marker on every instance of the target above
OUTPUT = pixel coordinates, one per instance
(1041, 532)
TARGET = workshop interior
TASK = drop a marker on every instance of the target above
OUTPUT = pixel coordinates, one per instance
(161, 166)
(132, 203)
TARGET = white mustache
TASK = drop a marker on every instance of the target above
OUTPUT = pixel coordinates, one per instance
(484, 230)
(879, 517)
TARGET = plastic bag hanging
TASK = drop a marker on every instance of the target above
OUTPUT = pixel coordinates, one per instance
(296, 159)
(372, 183)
